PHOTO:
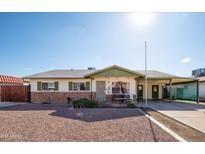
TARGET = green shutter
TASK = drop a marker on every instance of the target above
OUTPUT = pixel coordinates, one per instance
(56, 86)
(87, 85)
(70, 86)
(39, 86)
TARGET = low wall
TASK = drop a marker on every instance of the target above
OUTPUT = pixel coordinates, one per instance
(59, 97)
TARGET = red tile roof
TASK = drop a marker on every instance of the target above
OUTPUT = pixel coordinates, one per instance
(10, 79)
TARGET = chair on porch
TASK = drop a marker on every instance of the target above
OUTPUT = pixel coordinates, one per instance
(122, 97)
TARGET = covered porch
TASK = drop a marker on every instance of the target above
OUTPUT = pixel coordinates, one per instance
(117, 83)
(114, 84)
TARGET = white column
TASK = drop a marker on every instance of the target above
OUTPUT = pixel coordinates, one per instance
(170, 90)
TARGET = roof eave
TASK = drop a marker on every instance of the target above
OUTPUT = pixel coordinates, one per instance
(53, 77)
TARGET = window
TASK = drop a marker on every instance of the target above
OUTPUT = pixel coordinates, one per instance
(51, 86)
(79, 86)
(44, 86)
(47, 86)
(76, 86)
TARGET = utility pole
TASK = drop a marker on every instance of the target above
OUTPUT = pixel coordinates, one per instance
(146, 73)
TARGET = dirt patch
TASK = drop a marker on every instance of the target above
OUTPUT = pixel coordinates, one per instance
(188, 133)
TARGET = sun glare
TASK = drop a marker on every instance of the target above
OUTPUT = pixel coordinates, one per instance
(142, 20)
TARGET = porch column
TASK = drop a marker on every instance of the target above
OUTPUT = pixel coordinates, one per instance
(91, 87)
(197, 91)
(137, 83)
(170, 90)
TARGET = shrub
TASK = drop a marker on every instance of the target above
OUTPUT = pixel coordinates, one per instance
(46, 103)
(131, 105)
(85, 103)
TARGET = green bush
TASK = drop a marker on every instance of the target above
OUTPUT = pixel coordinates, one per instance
(85, 103)
(131, 105)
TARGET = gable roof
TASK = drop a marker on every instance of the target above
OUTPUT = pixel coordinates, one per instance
(114, 67)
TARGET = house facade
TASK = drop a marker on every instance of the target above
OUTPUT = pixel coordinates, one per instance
(201, 88)
(103, 85)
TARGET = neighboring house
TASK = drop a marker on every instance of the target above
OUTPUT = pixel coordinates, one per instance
(200, 75)
(13, 89)
(198, 72)
(10, 80)
(103, 85)
(202, 88)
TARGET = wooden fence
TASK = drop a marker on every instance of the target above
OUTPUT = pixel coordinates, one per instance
(14, 93)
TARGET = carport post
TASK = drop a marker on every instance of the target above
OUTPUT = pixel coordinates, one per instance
(197, 91)
(91, 87)
(170, 90)
(137, 84)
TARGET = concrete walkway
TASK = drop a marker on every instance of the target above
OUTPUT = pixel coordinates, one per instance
(189, 114)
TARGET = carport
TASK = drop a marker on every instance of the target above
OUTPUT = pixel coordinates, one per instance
(182, 88)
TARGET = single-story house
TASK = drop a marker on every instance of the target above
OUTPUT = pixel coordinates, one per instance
(201, 88)
(104, 85)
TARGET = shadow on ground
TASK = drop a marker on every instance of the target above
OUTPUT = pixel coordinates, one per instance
(87, 115)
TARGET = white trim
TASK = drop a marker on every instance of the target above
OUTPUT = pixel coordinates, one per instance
(176, 136)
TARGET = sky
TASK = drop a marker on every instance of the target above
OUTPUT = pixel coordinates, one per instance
(36, 42)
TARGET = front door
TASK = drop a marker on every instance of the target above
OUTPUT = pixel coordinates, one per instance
(155, 91)
(140, 91)
(100, 90)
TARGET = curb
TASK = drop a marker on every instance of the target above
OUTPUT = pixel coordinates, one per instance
(176, 136)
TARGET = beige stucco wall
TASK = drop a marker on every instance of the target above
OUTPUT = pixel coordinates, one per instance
(108, 88)
(63, 84)
(161, 83)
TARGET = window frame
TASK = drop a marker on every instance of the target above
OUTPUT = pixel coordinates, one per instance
(50, 88)
(78, 83)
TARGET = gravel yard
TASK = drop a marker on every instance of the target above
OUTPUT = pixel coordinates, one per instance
(49, 122)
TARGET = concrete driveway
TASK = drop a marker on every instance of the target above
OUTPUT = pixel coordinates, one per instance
(192, 115)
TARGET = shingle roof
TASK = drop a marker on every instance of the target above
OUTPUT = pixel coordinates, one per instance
(66, 73)
(72, 73)
(156, 74)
